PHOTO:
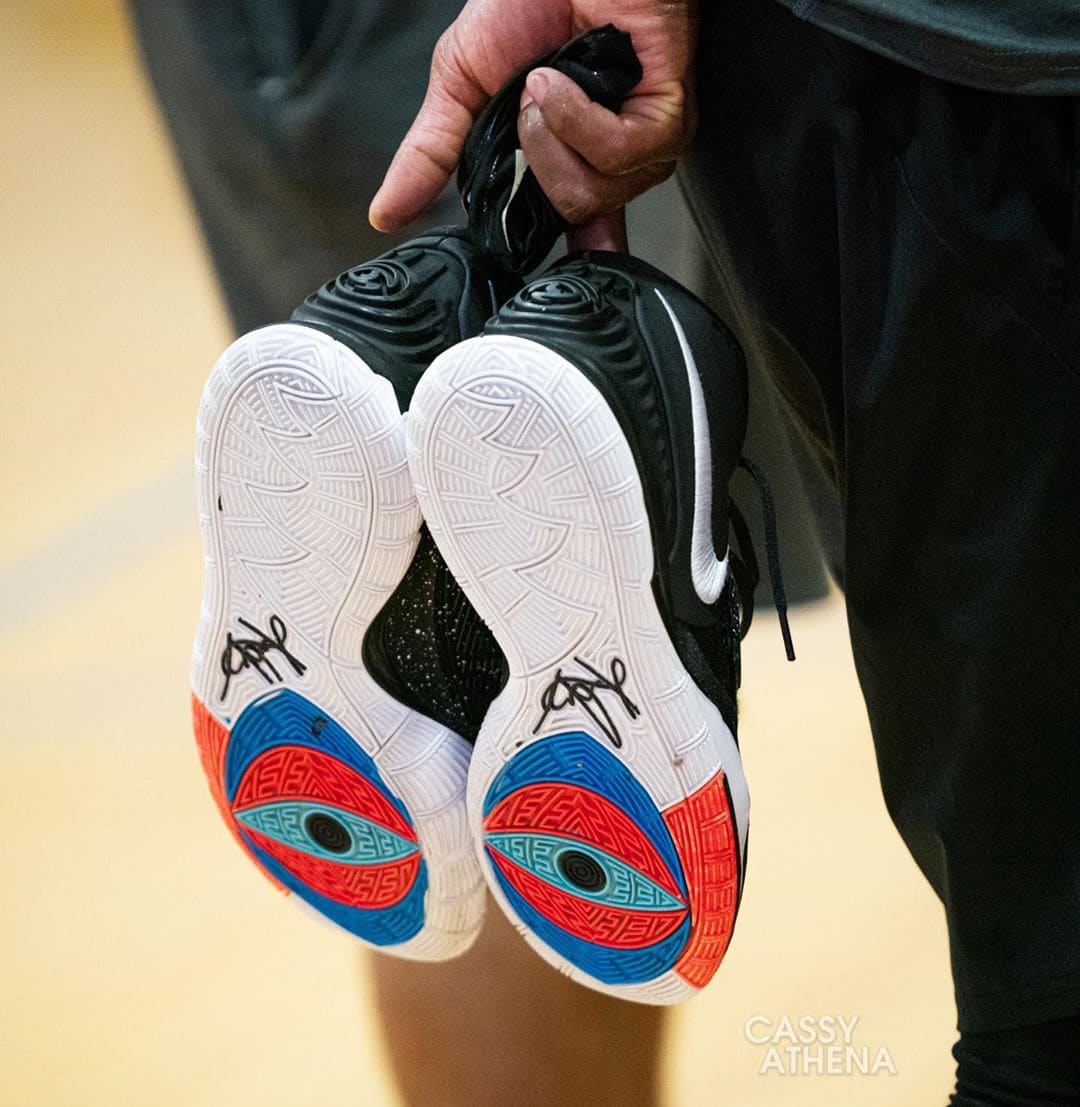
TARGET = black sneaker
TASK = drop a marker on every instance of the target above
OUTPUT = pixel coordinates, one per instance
(338, 670)
(572, 464)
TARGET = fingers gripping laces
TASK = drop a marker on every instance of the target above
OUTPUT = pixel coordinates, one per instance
(744, 564)
(510, 217)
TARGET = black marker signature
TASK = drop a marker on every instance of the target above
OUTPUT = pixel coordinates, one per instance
(565, 691)
(250, 653)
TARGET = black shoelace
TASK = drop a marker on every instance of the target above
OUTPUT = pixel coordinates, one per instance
(744, 563)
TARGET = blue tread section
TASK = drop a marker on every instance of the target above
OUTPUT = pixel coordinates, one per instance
(386, 927)
(578, 759)
(285, 718)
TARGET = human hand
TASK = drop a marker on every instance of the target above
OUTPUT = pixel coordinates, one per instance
(588, 160)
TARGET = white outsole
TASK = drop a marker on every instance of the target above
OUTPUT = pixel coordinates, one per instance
(308, 513)
(532, 494)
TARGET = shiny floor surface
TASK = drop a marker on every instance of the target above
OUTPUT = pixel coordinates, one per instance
(142, 959)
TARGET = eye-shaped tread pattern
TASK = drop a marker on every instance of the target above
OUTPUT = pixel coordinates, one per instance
(311, 806)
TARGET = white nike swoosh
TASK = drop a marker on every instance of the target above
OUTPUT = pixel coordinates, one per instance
(707, 571)
(520, 165)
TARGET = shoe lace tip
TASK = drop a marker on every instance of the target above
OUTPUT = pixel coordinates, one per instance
(785, 630)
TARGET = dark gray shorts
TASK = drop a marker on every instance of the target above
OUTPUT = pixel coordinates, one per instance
(285, 115)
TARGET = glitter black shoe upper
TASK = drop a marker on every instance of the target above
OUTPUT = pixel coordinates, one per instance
(632, 330)
(427, 647)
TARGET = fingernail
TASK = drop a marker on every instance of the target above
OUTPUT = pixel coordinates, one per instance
(375, 211)
(531, 118)
(537, 85)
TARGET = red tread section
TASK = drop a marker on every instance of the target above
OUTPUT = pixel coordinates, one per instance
(577, 813)
(371, 887)
(615, 927)
(704, 836)
(212, 738)
(302, 773)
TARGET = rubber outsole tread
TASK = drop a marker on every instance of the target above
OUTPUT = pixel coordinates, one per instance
(530, 489)
(309, 522)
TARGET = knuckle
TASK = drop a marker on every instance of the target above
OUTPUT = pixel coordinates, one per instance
(442, 57)
(451, 74)
(437, 150)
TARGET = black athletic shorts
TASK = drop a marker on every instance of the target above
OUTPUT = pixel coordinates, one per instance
(901, 255)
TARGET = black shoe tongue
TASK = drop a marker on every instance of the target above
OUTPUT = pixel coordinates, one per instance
(517, 228)
(602, 62)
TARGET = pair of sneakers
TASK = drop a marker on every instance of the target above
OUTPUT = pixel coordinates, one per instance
(469, 615)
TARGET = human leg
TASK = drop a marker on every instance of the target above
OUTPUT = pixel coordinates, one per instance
(499, 1025)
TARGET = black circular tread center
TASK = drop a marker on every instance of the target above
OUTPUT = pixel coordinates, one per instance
(377, 278)
(563, 293)
(582, 870)
(328, 832)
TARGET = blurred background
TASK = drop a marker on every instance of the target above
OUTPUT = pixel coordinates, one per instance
(143, 959)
